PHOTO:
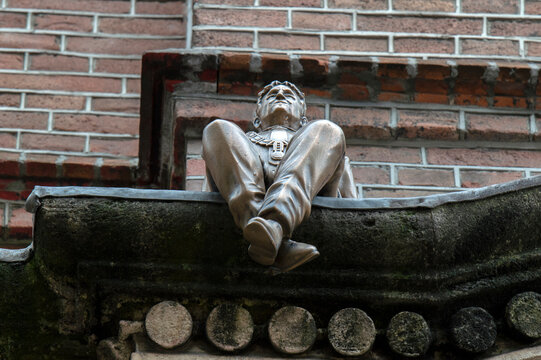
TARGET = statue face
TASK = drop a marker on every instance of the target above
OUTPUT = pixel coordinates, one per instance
(280, 106)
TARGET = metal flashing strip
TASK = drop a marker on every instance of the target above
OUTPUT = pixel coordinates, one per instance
(431, 201)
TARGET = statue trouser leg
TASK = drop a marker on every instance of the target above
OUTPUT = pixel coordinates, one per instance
(312, 164)
(235, 168)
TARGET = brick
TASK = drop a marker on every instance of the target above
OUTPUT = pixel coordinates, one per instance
(355, 43)
(489, 47)
(11, 100)
(315, 112)
(238, 17)
(431, 98)
(365, 123)
(371, 175)
(11, 61)
(23, 120)
(96, 123)
(149, 26)
(384, 154)
(514, 28)
(78, 167)
(58, 62)
(205, 38)
(63, 22)
(20, 223)
(426, 177)
(484, 157)
(133, 86)
(9, 164)
(124, 147)
(537, 135)
(533, 49)
(40, 166)
(55, 102)
(61, 82)
(227, 2)
(356, 4)
(8, 140)
(160, 7)
(431, 86)
(419, 45)
(470, 100)
(119, 46)
(288, 41)
(117, 170)
(437, 125)
(128, 105)
(194, 185)
(52, 142)
(113, 6)
(420, 24)
(422, 5)
(12, 20)
(433, 71)
(2, 225)
(475, 179)
(532, 7)
(29, 41)
(321, 21)
(195, 167)
(497, 127)
(509, 101)
(11, 189)
(211, 109)
(287, 3)
(117, 66)
(490, 6)
(398, 193)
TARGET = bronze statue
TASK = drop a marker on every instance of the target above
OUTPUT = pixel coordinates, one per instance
(270, 177)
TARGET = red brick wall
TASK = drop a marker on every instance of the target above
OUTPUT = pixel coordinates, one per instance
(69, 93)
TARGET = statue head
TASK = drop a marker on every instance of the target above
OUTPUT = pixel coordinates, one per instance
(280, 103)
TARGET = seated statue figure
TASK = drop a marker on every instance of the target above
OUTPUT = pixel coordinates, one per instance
(270, 177)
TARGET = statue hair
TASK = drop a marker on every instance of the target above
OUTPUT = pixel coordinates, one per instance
(268, 88)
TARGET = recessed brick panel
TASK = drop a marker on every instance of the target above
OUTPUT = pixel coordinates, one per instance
(383, 154)
(321, 21)
(259, 18)
(23, 120)
(475, 178)
(356, 4)
(58, 63)
(489, 47)
(195, 167)
(490, 6)
(436, 125)
(426, 177)
(96, 123)
(52, 142)
(166, 27)
(420, 24)
(288, 41)
(223, 38)
(364, 123)
(356, 43)
(63, 22)
(497, 127)
(211, 109)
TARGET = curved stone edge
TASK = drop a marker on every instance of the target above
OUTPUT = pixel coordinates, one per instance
(431, 201)
(16, 255)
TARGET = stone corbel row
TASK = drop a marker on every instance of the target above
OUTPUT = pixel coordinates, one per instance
(351, 332)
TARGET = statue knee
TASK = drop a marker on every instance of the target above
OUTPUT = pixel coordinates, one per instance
(217, 127)
(327, 129)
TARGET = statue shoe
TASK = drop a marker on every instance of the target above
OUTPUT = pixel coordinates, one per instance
(265, 237)
(293, 254)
